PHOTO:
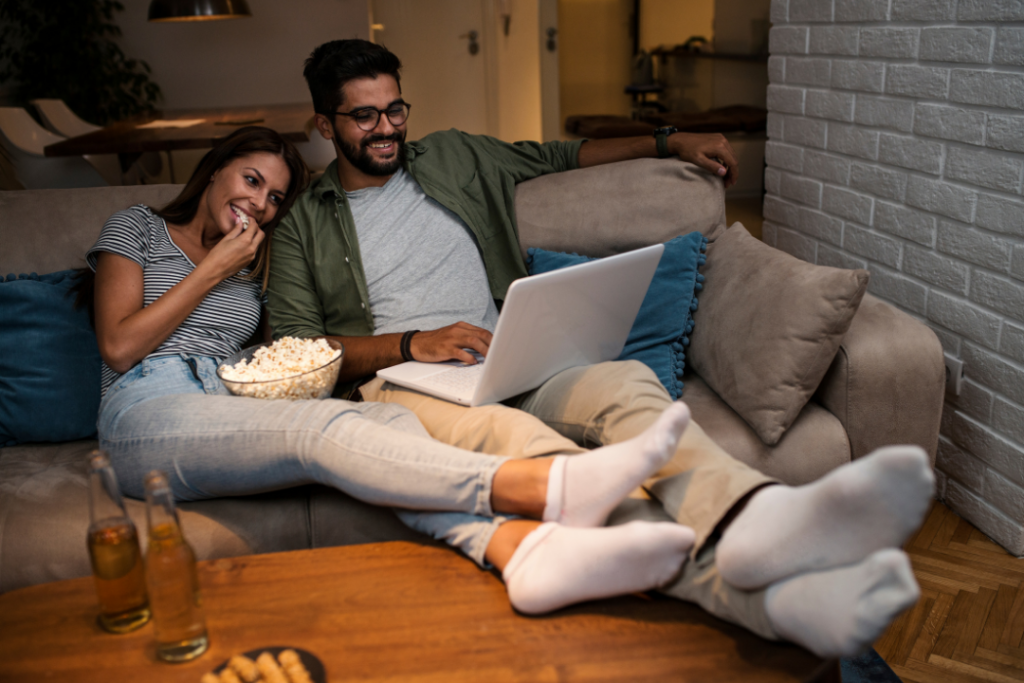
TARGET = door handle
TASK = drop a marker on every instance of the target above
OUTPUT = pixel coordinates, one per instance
(552, 45)
(474, 46)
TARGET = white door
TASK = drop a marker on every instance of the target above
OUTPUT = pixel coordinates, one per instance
(550, 88)
(481, 66)
(443, 76)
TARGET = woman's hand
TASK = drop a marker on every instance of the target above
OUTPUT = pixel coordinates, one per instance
(235, 251)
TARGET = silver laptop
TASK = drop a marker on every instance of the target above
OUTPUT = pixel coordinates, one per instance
(550, 322)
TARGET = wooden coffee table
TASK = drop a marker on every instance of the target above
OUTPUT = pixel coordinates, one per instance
(393, 612)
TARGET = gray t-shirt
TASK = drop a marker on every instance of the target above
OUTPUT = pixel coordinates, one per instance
(423, 268)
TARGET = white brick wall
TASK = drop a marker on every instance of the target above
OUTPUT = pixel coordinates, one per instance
(896, 144)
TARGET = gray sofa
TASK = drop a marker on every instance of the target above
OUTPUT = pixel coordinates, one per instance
(884, 384)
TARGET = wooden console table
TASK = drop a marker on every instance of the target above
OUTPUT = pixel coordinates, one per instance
(393, 612)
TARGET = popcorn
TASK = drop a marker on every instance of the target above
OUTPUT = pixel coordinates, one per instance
(290, 368)
(242, 217)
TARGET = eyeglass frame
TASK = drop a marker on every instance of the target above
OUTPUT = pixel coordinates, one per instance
(353, 114)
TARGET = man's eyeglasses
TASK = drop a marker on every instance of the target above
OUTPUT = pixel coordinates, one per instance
(367, 118)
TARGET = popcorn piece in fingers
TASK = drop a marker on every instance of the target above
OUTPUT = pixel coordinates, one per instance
(245, 668)
(292, 665)
(268, 667)
(209, 678)
(242, 217)
(228, 675)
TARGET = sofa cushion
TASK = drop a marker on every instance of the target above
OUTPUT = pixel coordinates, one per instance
(44, 517)
(769, 327)
(49, 230)
(50, 367)
(814, 445)
(659, 333)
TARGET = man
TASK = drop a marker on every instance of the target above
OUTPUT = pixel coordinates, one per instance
(399, 237)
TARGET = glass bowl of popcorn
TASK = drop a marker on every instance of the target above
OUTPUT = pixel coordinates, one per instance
(289, 368)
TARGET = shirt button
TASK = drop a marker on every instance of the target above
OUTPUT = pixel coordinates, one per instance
(346, 259)
(363, 306)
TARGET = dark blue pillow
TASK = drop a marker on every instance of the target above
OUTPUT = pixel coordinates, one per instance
(663, 325)
(49, 364)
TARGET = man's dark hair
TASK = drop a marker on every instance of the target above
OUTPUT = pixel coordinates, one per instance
(333, 64)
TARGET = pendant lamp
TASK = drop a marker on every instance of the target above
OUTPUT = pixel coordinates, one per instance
(197, 10)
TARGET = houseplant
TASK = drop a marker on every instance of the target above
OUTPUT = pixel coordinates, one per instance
(67, 49)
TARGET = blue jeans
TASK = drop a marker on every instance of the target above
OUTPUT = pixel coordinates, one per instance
(173, 414)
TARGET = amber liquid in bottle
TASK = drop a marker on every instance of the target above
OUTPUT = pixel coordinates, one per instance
(113, 544)
(118, 573)
(179, 623)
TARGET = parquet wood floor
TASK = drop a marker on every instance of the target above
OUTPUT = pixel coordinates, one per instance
(968, 626)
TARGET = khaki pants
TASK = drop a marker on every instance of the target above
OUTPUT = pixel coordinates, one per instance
(598, 405)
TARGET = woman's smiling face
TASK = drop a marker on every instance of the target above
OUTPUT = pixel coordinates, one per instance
(252, 186)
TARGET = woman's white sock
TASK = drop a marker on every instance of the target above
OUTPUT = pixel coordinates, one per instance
(872, 503)
(584, 489)
(841, 611)
(555, 566)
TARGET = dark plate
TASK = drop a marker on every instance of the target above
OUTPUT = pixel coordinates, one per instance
(309, 660)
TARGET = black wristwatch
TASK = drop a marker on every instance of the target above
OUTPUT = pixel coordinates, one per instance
(661, 140)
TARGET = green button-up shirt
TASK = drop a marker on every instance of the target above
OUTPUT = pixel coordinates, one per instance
(317, 285)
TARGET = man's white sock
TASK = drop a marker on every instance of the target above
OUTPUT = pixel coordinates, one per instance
(584, 489)
(555, 566)
(872, 503)
(841, 611)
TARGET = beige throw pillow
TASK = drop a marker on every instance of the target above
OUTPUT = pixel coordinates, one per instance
(768, 327)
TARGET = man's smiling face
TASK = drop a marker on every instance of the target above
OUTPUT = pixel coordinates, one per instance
(377, 152)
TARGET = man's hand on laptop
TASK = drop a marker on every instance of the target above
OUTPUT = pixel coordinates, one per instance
(450, 343)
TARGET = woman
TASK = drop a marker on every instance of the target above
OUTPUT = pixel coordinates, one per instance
(178, 289)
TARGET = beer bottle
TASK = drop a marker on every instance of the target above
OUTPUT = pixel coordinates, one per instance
(114, 552)
(178, 620)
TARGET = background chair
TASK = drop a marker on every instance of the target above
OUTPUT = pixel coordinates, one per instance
(59, 118)
(24, 140)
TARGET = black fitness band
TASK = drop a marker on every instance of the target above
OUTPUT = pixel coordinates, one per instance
(405, 346)
(661, 140)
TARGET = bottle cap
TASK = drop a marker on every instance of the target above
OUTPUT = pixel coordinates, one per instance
(98, 460)
(156, 480)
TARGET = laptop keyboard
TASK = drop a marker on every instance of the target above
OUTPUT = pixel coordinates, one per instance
(458, 380)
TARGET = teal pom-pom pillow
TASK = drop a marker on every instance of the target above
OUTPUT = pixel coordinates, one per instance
(50, 364)
(660, 334)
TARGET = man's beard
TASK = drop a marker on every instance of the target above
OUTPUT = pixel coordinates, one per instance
(360, 156)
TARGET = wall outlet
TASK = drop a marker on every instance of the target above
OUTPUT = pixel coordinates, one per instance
(954, 374)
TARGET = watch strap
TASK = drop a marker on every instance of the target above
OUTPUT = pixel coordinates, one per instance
(661, 140)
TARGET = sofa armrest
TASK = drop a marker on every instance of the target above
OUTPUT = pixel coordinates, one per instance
(613, 208)
(887, 381)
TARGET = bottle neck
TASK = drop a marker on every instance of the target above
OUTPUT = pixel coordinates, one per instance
(161, 513)
(105, 502)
